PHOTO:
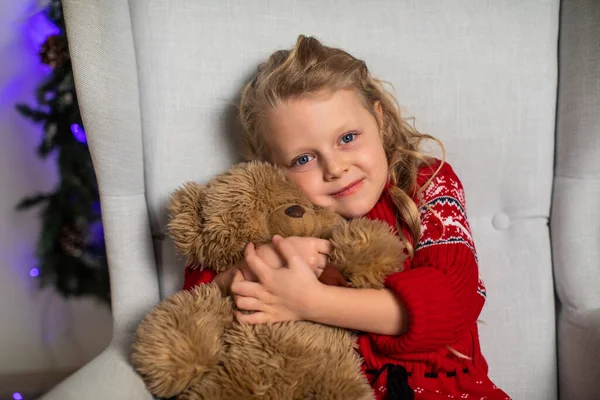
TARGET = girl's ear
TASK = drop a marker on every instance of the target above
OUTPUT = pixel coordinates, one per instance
(379, 113)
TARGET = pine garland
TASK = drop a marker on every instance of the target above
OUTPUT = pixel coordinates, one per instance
(70, 247)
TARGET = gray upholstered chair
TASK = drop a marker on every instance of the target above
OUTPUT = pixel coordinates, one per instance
(157, 82)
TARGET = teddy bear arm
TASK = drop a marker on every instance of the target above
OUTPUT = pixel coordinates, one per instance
(366, 251)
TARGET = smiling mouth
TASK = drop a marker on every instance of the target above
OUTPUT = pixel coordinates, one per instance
(350, 189)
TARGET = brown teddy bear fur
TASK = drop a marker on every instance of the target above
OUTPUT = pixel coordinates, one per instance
(190, 347)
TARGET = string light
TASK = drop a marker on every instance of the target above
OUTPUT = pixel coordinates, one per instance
(17, 396)
(78, 133)
(33, 272)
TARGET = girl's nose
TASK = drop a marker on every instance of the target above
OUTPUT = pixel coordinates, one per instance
(334, 168)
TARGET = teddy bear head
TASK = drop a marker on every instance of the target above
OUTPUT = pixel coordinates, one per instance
(251, 202)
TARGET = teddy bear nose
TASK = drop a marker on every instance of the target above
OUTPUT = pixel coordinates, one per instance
(295, 211)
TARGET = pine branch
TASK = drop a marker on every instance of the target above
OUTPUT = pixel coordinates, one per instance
(30, 113)
(32, 201)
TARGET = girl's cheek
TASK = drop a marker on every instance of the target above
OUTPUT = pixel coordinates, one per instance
(311, 190)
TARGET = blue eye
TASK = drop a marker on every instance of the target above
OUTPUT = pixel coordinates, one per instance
(303, 160)
(348, 137)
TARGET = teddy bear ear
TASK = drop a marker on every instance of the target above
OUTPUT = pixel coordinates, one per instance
(185, 219)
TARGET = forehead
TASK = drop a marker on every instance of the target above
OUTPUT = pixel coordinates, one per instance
(316, 105)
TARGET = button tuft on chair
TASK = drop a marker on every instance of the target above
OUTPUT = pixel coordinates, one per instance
(501, 221)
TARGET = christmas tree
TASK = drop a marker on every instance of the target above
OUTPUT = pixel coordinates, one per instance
(70, 248)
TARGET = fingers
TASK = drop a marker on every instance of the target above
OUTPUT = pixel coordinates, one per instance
(246, 272)
(247, 289)
(238, 276)
(317, 262)
(288, 252)
(319, 272)
(315, 252)
(270, 256)
(255, 318)
(324, 246)
(248, 296)
(255, 263)
(248, 303)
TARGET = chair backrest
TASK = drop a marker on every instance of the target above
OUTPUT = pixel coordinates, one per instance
(158, 82)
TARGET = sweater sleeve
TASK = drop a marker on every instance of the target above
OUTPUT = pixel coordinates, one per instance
(442, 290)
(197, 276)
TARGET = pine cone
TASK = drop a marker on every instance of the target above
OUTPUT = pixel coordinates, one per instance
(55, 51)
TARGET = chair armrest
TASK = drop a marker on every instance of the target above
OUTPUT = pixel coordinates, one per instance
(108, 376)
(579, 354)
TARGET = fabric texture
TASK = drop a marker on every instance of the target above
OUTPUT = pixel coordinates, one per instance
(196, 276)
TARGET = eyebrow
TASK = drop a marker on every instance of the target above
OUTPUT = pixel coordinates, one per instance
(343, 127)
(291, 155)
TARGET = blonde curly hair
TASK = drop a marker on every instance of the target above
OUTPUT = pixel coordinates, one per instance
(310, 67)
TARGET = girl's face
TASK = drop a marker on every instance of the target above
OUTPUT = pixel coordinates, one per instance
(329, 145)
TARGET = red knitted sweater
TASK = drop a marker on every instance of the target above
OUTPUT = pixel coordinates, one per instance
(443, 293)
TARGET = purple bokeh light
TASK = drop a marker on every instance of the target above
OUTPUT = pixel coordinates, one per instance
(79, 133)
(96, 207)
(39, 28)
(97, 232)
(34, 272)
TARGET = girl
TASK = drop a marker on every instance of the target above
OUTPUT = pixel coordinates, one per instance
(318, 114)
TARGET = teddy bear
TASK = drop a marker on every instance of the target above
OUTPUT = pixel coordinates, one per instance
(190, 346)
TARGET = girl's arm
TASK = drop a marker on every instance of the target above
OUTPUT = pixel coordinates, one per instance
(369, 310)
(442, 290)
(294, 293)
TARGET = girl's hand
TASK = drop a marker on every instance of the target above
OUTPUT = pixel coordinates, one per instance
(282, 294)
(315, 252)
(268, 254)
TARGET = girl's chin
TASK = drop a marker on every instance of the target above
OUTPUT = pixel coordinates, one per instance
(349, 210)
(350, 213)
